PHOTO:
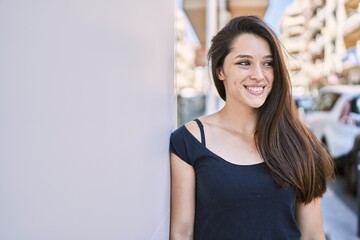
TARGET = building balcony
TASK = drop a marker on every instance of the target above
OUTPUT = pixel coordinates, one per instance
(316, 47)
(295, 30)
(331, 26)
(317, 70)
(314, 25)
(196, 13)
(331, 5)
(290, 21)
(321, 15)
(295, 9)
(295, 44)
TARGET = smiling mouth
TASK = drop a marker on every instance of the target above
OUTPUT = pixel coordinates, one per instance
(255, 90)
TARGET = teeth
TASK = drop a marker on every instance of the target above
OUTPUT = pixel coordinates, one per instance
(255, 89)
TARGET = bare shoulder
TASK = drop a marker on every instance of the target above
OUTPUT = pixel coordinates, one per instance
(193, 127)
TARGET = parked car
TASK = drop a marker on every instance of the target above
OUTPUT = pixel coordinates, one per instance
(303, 104)
(335, 120)
(350, 166)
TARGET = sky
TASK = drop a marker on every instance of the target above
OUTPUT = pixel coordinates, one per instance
(272, 17)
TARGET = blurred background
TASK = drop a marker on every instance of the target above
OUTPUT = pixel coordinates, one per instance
(88, 102)
(321, 40)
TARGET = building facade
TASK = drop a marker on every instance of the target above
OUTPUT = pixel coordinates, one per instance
(321, 38)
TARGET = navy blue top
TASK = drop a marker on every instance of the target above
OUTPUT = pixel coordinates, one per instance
(235, 202)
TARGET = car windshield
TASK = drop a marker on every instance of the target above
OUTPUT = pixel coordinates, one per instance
(325, 102)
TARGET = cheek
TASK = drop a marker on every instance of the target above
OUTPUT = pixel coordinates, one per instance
(271, 78)
(237, 84)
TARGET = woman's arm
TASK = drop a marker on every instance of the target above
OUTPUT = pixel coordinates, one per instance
(310, 220)
(182, 199)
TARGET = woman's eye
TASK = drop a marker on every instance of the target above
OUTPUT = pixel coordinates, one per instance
(243, 63)
(268, 64)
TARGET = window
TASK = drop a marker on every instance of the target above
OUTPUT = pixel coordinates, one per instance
(355, 105)
(326, 102)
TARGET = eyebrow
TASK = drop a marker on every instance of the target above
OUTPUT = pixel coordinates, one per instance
(249, 56)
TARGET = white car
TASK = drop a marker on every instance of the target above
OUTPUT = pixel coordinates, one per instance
(335, 119)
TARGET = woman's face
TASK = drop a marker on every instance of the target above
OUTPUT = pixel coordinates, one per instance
(247, 71)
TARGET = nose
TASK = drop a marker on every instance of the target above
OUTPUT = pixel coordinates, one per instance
(257, 73)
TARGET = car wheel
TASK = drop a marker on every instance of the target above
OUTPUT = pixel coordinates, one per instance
(351, 165)
(350, 177)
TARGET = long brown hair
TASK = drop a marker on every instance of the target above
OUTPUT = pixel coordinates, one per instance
(293, 155)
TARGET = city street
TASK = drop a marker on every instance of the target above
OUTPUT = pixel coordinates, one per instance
(339, 212)
(338, 186)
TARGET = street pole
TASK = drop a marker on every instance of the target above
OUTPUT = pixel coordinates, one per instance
(211, 29)
(357, 155)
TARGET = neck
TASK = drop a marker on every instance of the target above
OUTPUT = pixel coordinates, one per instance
(239, 119)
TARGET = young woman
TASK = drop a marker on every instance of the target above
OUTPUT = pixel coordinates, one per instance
(251, 170)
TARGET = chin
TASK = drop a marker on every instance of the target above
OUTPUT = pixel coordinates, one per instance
(257, 105)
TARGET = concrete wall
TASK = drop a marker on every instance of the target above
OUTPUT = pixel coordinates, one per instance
(86, 109)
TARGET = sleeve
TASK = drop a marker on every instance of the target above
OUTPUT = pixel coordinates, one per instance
(178, 144)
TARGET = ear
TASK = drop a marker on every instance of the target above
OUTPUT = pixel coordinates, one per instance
(220, 74)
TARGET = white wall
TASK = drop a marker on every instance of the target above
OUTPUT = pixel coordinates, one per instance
(86, 109)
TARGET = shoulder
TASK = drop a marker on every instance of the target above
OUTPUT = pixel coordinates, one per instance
(193, 128)
(182, 134)
(182, 143)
